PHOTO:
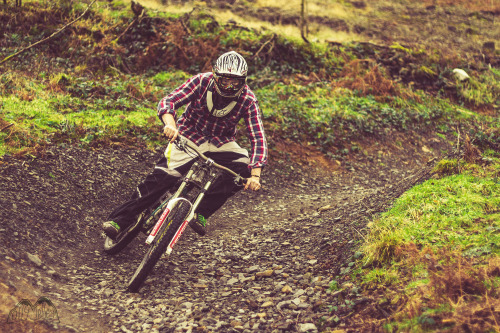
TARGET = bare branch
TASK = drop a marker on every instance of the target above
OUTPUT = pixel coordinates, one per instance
(264, 45)
(5, 127)
(48, 38)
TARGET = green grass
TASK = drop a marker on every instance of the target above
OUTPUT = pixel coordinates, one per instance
(443, 232)
(459, 211)
(324, 116)
(104, 105)
(424, 322)
(483, 90)
(77, 109)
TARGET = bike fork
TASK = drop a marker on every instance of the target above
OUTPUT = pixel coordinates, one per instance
(179, 232)
(190, 217)
(172, 203)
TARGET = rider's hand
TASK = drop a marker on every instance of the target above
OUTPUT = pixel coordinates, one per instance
(253, 183)
(170, 132)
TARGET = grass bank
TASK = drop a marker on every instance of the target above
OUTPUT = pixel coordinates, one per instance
(432, 262)
(71, 109)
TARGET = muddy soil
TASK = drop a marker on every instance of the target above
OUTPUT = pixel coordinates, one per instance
(265, 265)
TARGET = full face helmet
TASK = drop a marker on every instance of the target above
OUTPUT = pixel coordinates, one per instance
(230, 74)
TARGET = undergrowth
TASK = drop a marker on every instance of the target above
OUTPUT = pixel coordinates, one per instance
(107, 73)
(64, 109)
(433, 259)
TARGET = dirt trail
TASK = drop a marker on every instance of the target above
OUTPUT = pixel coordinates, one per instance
(265, 264)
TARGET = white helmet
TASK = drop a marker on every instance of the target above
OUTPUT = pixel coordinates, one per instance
(230, 74)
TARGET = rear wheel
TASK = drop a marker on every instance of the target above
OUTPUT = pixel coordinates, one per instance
(160, 243)
(124, 238)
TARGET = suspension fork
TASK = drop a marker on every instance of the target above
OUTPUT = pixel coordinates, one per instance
(191, 215)
(174, 200)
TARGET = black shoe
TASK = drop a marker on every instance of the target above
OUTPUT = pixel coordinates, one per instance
(199, 224)
(111, 229)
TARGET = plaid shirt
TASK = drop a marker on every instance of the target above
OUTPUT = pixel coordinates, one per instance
(199, 126)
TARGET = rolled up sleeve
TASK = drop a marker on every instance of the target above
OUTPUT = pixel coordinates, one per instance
(180, 96)
(257, 137)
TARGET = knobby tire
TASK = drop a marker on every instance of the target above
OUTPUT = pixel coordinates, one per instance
(115, 246)
(159, 246)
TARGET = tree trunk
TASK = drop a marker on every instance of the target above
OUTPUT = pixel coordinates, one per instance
(303, 21)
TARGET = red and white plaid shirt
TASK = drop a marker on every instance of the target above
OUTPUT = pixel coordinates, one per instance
(199, 126)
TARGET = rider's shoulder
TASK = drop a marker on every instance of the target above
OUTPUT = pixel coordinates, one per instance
(201, 78)
(248, 94)
(205, 77)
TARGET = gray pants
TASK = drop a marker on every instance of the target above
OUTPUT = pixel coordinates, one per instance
(171, 167)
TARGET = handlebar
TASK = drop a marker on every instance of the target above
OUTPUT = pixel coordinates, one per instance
(182, 141)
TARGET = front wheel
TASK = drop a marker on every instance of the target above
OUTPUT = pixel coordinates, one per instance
(160, 243)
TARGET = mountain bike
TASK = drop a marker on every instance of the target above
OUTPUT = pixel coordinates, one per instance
(172, 213)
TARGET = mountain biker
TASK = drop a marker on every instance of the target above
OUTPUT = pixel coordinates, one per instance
(215, 102)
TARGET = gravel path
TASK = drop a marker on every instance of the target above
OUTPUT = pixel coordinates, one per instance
(265, 265)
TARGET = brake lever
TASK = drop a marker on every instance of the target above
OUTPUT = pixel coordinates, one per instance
(180, 143)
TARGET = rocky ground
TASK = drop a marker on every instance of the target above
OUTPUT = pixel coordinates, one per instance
(265, 265)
